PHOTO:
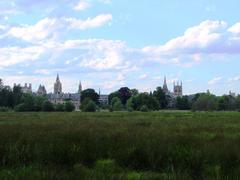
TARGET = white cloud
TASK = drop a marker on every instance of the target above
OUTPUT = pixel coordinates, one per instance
(105, 1)
(215, 81)
(40, 31)
(82, 5)
(14, 55)
(48, 28)
(143, 76)
(234, 79)
(235, 28)
(95, 22)
(207, 39)
(42, 71)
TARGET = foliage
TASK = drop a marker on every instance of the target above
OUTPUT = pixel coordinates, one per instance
(129, 105)
(89, 106)
(90, 94)
(161, 97)
(4, 109)
(113, 95)
(60, 107)
(116, 104)
(145, 99)
(205, 102)
(227, 103)
(47, 106)
(183, 103)
(144, 108)
(69, 106)
(125, 94)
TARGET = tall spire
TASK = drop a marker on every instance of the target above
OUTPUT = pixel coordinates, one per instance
(80, 87)
(165, 88)
(57, 77)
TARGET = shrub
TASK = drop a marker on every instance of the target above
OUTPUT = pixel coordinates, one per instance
(144, 108)
(4, 109)
(47, 106)
(205, 102)
(129, 105)
(69, 106)
(89, 107)
(20, 108)
(59, 107)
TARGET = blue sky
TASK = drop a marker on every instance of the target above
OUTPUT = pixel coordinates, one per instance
(108, 44)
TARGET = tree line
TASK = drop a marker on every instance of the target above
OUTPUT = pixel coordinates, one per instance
(15, 99)
(124, 99)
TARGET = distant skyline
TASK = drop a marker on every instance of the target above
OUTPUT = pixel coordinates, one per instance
(108, 44)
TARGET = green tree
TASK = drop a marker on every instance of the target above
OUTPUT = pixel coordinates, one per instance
(161, 97)
(91, 94)
(38, 102)
(205, 102)
(17, 95)
(183, 103)
(125, 94)
(69, 106)
(47, 106)
(28, 101)
(113, 95)
(129, 105)
(116, 104)
(59, 107)
(227, 103)
(144, 108)
(90, 107)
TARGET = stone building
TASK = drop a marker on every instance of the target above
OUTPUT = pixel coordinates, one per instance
(172, 96)
(27, 88)
(58, 97)
(41, 90)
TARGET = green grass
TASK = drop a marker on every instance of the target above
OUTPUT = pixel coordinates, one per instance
(156, 145)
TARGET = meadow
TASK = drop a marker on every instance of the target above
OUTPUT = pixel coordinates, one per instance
(124, 145)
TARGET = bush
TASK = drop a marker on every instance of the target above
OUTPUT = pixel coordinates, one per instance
(20, 108)
(69, 106)
(4, 109)
(206, 102)
(59, 107)
(89, 107)
(144, 108)
(47, 106)
(129, 105)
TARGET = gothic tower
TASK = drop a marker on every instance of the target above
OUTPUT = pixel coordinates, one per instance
(165, 88)
(57, 86)
(80, 88)
(178, 89)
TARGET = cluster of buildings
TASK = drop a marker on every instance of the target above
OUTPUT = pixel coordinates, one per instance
(58, 96)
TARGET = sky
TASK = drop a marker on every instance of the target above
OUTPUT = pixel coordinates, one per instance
(109, 44)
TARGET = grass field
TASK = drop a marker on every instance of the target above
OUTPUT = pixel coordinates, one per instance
(156, 145)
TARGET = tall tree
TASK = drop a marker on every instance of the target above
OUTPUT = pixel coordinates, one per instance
(125, 94)
(161, 97)
(91, 94)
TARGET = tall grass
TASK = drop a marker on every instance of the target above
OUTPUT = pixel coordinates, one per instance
(156, 145)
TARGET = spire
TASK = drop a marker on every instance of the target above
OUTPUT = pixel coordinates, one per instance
(99, 92)
(57, 77)
(80, 87)
(165, 80)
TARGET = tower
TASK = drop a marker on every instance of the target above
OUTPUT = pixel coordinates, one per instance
(177, 89)
(80, 88)
(165, 88)
(57, 86)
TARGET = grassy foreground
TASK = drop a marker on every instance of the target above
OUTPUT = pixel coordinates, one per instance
(156, 145)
